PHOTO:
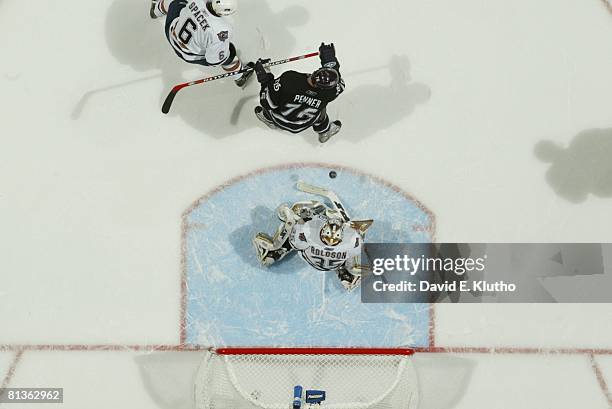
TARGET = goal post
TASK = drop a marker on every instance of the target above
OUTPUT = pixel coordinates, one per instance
(265, 378)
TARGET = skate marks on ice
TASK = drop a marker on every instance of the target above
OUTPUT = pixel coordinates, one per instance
(583, 168)
(232, 300)
(139, 42)
(443, 379)
(168, 377)
(368, 109)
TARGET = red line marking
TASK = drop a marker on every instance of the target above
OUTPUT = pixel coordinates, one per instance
(104, 348)
(514, 350)
(12, 368)
(183, 295)
(422, 350)
(314, 351)
(432, 325)
(600, 379)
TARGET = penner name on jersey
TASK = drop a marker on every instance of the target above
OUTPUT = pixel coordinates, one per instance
(310, 101)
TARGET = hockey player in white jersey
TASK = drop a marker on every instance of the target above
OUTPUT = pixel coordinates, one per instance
(199, 33)
(324, 237)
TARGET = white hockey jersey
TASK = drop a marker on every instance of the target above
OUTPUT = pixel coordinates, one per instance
(196, 34)
(306, 239)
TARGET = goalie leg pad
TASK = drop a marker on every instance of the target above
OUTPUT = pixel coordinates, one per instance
(267, 254)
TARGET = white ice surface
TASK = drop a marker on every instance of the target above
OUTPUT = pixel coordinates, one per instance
(92, 202)
(112, 380)
(93, 184)
(509, 381)
(549, 326)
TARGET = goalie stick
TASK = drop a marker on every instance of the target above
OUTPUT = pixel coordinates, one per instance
(332, 196)
(177, 88)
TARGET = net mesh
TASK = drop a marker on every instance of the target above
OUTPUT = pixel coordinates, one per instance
(267, 381)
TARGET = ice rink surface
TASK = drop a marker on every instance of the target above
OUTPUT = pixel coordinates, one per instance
(495, 116)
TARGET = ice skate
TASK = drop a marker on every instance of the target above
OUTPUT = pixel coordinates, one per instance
(259, 113)
(334, 128)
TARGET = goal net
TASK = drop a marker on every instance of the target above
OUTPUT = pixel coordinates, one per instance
(250, 378)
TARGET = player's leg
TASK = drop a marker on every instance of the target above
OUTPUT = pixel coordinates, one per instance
(264, 246)
(325, 128)
(271, 249)
(159, 8)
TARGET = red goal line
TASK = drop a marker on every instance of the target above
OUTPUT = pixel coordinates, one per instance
(297, 351)
(314, 351)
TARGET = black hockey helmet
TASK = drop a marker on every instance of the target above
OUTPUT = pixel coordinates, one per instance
(325, 78)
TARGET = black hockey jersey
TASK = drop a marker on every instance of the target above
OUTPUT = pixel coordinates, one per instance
(293, 104)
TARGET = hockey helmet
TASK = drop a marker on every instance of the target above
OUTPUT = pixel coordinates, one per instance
(331, 232)
(224, 7)
(325, 78)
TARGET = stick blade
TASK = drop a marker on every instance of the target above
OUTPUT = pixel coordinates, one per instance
(308, 188)
(169, 100)
(328, 194)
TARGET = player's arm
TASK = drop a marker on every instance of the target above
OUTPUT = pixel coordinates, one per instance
(271, 88)
(220, 53)
(327, 54)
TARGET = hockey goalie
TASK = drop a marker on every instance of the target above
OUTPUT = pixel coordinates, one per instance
(324, 236)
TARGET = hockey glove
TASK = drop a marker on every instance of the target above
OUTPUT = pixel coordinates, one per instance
(263, 76)
(327, 53)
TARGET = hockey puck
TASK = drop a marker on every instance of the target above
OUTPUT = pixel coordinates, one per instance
(333, 174)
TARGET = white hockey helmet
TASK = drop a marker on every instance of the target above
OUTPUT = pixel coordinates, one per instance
(332, 232)
(224, 7)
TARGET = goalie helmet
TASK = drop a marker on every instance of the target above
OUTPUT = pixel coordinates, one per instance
(331, 232)
(325, 78)
(224, 7)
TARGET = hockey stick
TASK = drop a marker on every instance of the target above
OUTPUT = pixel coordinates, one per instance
(332, 196)
(177, 88)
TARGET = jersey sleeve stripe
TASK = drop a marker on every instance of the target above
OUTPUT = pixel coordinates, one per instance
(269, 100)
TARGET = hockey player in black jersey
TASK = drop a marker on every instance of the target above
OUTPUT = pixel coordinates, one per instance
(295, 101)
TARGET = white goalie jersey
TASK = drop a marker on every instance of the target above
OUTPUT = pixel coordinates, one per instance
(196, 34)
(325, 237)
(306, 239)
